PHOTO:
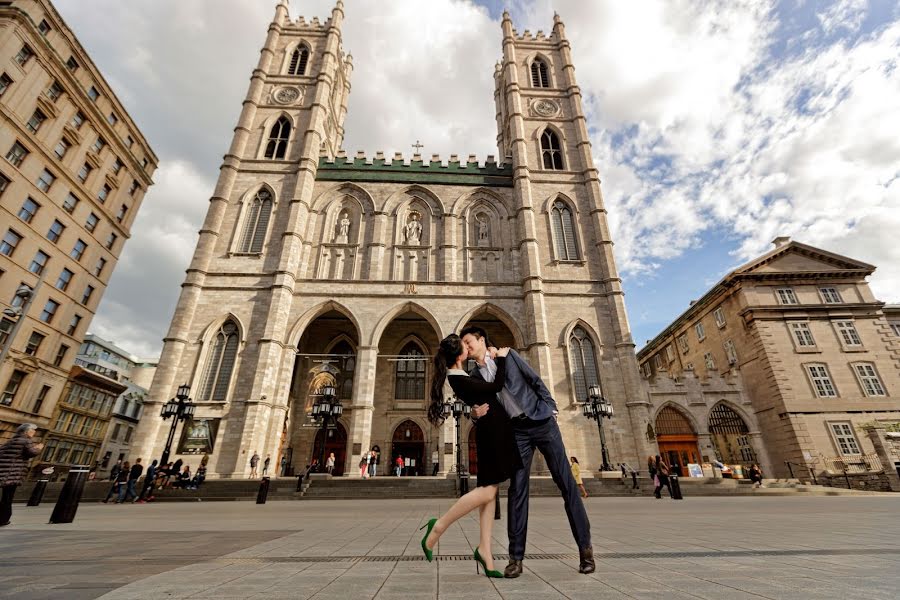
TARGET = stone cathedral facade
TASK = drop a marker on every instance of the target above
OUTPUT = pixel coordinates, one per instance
(314, 266)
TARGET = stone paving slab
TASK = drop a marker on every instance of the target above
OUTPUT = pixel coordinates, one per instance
(707, 548)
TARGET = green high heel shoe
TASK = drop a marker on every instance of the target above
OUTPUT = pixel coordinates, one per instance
(488, 572)
(430, 526)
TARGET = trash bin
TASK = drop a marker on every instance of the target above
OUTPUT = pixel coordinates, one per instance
(70, 496)
(676, 487)
(463, 484)
(263, 491)
(37, 494)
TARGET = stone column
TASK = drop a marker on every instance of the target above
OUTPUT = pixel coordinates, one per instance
(762, 454)
(877, 434)
(360, 435)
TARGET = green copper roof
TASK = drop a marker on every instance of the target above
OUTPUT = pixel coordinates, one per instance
(380, 170)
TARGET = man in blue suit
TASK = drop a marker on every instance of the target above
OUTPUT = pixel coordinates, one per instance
(532, 411)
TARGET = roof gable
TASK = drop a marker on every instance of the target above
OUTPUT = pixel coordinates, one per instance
(800, 258)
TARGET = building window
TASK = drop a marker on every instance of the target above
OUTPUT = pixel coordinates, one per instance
(135, 186)
(12, 387)
(845, 438)
(584, 363)
(45, 181)
(821, 381)
(28, 210)
(128, 433)
(54, 91)
(129, 141)
(701, 333)
(5, 82)
(65, 278)
(112, 119)
(10, 242)
(41, 397)
(786, 296)
(540, 75)
(104, 193)
(278, 139)
(78, 249)
(299, 60)
(98, 269)
(37, 119)
(72, 64)
(847, 332)
(144, 163)
(683, 343)
(70, 203)
(551, 151)
(78, 120)
(88, 292)
(257, 223)
(55, 231)
(4, 183)
(895, 327)
(220, 363)
(73, 325)
(658, 362)
(61, 148)
(49, 311)
(84, 172)
(868, 379)
(39, 262)
(6, 326)
(111, 241)
(24, 55)
(830, 295)
(564, 231)
(114, 436)
(803, 335)
(117, 166)
(44, 27)
(91, 222)
(34, 343)
(719, 316)
(93, 94)
(99, 144)
(730, 352)
(122, 211)
(710, 361)
(409, 374)
(16, 155)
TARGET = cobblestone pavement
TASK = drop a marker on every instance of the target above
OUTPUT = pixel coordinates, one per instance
(715, 548)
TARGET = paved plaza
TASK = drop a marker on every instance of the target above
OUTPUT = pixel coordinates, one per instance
(715, 548)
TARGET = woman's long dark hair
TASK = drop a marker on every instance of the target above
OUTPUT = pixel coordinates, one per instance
(450, 349)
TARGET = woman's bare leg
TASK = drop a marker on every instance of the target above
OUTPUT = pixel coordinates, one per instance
(461, 508)
(487, 524)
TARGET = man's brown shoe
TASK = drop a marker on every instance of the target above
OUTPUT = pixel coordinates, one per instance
(586, 564)
(513, 569)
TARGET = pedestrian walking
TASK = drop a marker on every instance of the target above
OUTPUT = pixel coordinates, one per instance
(624, 473)
(114, 472)
(435, 464)
(254, 461)
(398, 465)
(266, 464)
(329, 463)
(651, 469)
(662, 472)
(149, 480)
(364, 467)
(576, 473)
(284, 466)
(128, 490)
(14, 457)
(121, 480)
(373, 459)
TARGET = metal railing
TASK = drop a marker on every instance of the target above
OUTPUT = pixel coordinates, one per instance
(812, 473)
(861, 463)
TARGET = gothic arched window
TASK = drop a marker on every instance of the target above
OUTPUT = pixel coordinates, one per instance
(299, 60)
(409, 374)
(347, 364)
(220, 363)
(584, 362)
(564, 231)
(540, 77)
(278, 138)
(257, 222)
(551, 151)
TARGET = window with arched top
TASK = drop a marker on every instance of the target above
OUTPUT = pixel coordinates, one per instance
(299, 60)
(220, 363)
(257, 222)
(276, 148)
(584, 362)
(563, 224)
(551, 150)
(346, 362)
(540, 76)
(409, 373)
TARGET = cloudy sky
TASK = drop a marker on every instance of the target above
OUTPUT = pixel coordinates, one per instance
(716, 125)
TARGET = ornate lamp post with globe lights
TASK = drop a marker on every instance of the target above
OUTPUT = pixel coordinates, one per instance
(326, 408)
(597, 408)
(179, 408)
(458, 409)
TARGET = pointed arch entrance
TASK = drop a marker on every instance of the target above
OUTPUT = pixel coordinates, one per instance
(408, 441)
(335, 441)
(677, 440)
(730, 436)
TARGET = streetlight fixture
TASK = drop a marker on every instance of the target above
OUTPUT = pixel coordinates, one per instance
(24, 296)
(597, 408)
(179, 408)
(458, 409)
(326, 408)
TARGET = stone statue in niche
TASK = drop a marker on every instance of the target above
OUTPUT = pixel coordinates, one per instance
(343, 235)
(413, 230)
(484, 230)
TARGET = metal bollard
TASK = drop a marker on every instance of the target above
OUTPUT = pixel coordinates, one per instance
(676, 487)
(263, 491)
(70, 496)
(634, 482)
(463, 484)
(37, 494)
(497, 505)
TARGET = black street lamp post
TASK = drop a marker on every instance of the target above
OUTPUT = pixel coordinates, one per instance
(179, 408)
(597, 407)
(458, 409)
(326, 408)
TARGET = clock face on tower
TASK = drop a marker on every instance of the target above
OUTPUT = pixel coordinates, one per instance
(546, 108)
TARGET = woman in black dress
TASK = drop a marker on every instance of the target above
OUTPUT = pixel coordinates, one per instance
(498, 457)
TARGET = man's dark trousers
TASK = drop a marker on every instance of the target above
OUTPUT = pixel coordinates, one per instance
(546, 437)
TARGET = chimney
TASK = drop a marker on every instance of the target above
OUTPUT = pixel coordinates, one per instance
(693, 302)
(781, 240)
